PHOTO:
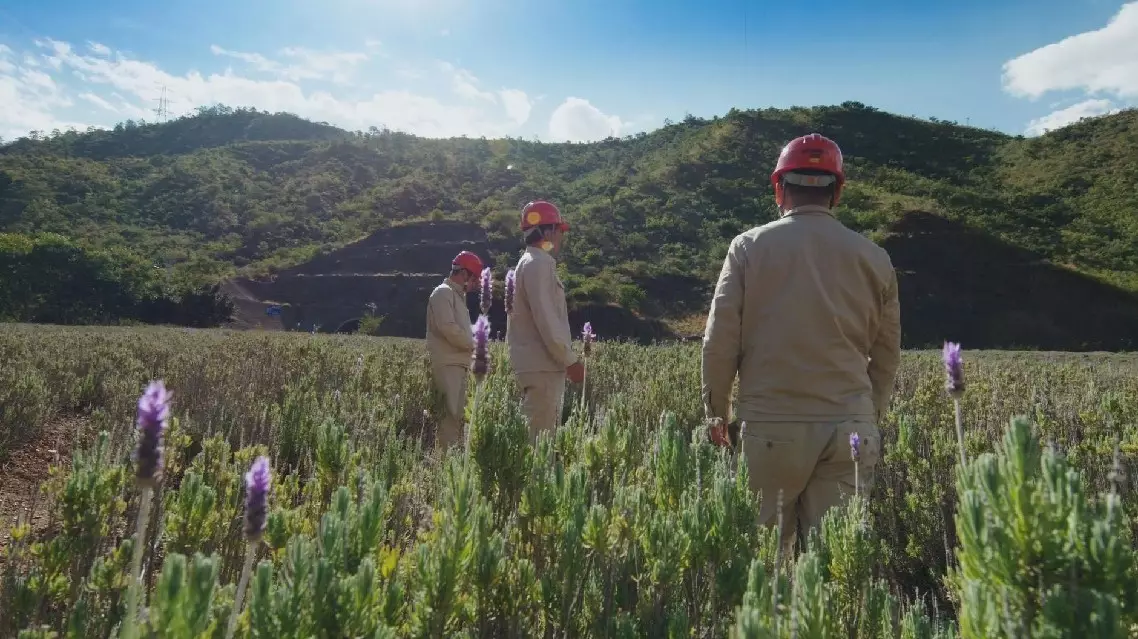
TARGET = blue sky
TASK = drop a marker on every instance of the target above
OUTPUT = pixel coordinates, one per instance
(563, 70)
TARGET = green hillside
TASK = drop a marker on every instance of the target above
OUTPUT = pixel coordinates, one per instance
(228, 191)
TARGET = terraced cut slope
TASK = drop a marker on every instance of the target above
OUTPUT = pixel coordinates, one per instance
(393, 271)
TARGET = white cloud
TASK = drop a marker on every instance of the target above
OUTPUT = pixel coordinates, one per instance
(59, 85)
(409, 73)
(1070, 115)
(1099, 64)
(59, 50)
(99, 102)
(1061, 118)
(30, 98)
(1104, 60)
(464, 84)
(641, 122)
(518, 104)
(576, 120)
(304, 64)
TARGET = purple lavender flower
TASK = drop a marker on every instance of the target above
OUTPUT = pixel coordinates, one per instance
(153, 411)
(855, 446)
(481, 345)
(954, 370)
(257, 483)
(511, 285)
(587, 337)
(487, 290)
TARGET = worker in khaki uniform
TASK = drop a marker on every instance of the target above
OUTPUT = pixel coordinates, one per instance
(450, 343)
(537, 333)
(806, 313)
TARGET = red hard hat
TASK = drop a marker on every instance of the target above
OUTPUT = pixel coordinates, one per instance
(812, 152)
(468, 261)
(540, 213)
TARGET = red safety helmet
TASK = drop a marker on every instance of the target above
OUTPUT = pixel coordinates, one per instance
(468, 261)
(813, 153)
(540, 213)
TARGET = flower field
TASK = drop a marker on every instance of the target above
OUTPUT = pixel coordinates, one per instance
(626, 524)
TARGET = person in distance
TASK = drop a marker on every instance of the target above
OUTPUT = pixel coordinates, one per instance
(806, 313)
(537, 332)
(450, 343)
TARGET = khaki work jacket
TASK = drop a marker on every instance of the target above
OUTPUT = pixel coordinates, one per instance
(806, 313)
(537, 332)
(449, 337)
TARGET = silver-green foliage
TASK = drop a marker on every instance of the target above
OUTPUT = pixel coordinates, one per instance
(1038, 556)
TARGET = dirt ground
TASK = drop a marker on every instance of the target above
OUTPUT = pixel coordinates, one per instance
(25, 470)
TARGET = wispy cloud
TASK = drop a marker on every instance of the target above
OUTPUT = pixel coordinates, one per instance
(301, 64)
(59, 85)
(1070, 115)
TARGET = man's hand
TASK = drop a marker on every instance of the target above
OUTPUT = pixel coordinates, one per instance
(722, 433)
(576, 372)
(717, 432)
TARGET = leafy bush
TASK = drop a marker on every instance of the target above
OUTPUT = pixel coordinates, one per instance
(50, 279)
(370, 324)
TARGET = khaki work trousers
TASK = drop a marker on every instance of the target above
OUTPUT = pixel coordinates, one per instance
(811, 464)
(542, 395)
(450, 380)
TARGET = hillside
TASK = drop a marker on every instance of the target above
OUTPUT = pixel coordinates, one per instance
(240, 191)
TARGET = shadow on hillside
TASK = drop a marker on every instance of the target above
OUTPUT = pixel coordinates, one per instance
(962, 285)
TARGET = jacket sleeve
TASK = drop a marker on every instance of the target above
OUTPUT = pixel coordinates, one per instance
(722, 337)
(885, 354)
(443, 317)
(540, 280)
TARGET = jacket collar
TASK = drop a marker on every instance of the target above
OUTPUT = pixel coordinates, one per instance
(455, 286)
(809, 209)
(537, 251)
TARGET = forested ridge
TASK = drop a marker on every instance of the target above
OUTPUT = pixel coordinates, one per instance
(238, 191)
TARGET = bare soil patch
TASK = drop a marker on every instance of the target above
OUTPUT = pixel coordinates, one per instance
(25, 471)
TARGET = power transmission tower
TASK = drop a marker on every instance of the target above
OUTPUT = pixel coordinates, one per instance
(163, 110)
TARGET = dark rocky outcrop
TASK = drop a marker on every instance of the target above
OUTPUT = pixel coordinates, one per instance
(393, 269)
(959, 284)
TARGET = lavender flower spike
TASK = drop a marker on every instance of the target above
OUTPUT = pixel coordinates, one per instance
(587, 337)
(481, 345)
(257, 483)
(153, 411)
(487, 290)
(855, 446)
(511, 286)
(954, 370)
